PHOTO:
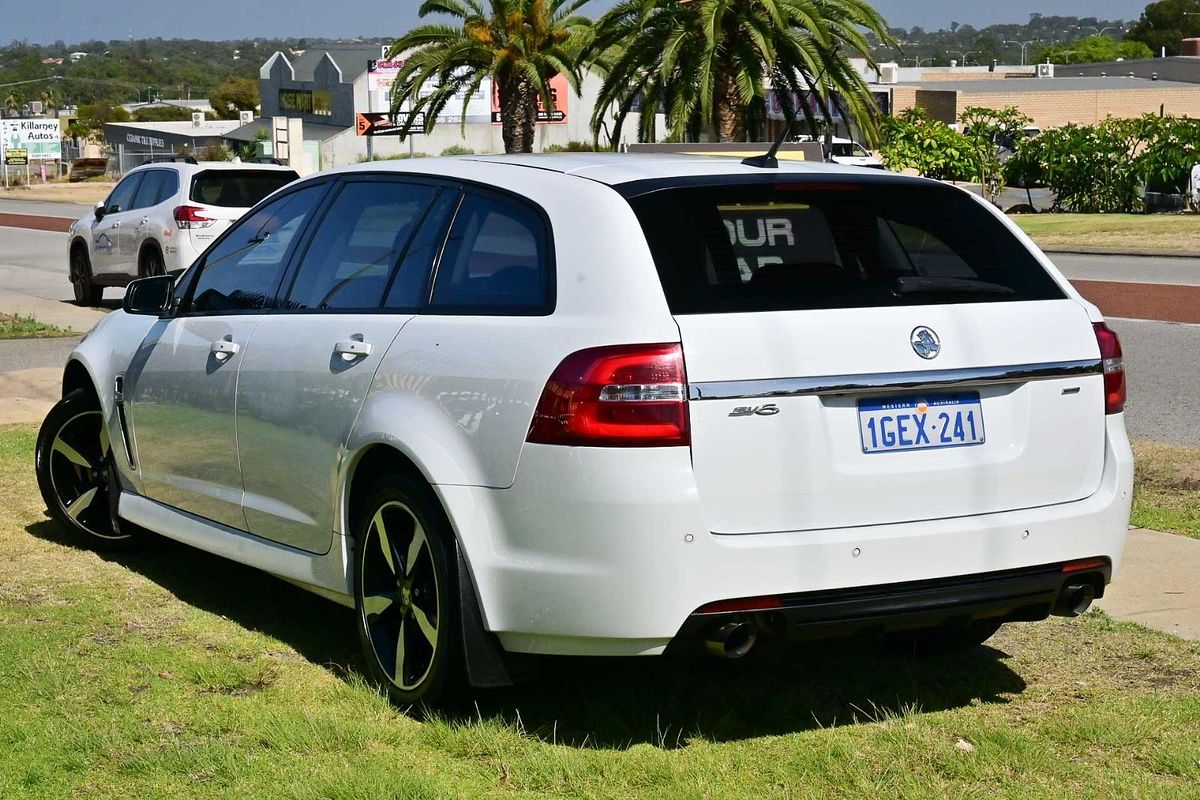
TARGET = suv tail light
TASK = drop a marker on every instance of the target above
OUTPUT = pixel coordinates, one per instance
(1114, 369)
(620, 396)
(187, 217)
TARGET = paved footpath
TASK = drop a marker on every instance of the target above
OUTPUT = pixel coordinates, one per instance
(1158, 584)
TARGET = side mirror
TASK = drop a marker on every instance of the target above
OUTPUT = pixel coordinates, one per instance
(100, 211)
(151, 296)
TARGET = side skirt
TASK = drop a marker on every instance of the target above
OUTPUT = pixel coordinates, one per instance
(322, 574)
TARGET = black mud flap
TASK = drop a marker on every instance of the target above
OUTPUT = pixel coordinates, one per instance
(482, 655)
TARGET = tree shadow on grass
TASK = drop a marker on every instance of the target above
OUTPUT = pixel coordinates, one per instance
(608, 702)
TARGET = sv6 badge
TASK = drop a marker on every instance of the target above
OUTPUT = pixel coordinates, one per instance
(769, 410)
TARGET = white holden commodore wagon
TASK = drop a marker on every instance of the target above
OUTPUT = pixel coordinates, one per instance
(612, 405)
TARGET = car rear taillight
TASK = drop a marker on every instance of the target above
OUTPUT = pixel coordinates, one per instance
(191, 217)
(620, 396)
(1114, 369)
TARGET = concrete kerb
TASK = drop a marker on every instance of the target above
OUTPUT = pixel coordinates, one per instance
(1117, 251)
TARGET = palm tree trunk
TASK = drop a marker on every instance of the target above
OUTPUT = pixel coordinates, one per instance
(518, 114)
(730, 110)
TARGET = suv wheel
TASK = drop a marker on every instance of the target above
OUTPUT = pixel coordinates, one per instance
(151, 263)
(404, 592)
(86, 293)
(76, 475)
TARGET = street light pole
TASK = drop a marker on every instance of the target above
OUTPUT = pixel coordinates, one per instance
(1023, 45)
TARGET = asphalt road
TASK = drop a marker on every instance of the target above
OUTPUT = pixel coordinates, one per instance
(1162, 358)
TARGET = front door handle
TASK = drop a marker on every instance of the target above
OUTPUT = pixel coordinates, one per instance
(351, 349)
(223, 349)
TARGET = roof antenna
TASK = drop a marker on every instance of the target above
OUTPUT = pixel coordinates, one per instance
(768, 160)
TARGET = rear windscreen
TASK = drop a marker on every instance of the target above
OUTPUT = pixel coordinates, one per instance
(778, 247)
(231, 188)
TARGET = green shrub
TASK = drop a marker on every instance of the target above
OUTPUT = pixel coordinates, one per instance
(914, 140)
(572, 146)
(458, 150)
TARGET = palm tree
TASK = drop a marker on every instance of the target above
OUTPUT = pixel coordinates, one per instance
(519, 44)
(710, 63)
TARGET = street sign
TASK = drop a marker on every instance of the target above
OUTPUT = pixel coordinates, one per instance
(16, 156)
(372, 124)
(40, 138)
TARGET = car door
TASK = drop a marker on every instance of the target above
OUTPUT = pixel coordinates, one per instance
(139, 226)
(106, 231)
(310, 364)
(181, 387)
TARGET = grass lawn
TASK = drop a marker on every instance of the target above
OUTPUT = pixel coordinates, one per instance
(1133, 231)
(1167, 492)
(169, 673)
(16, 326)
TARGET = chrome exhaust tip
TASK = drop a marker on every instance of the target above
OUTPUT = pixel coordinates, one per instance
(1074, 599)
(731, 640)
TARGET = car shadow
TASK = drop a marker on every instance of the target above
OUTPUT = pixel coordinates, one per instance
(608, 702)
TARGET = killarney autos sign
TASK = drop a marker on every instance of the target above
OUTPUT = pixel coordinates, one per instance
(42, 138)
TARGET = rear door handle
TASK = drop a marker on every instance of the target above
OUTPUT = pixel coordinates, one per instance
(350, 349)
(223, 349)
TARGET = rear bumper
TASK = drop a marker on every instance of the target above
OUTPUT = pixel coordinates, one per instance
(597, 551)
(1020, 595)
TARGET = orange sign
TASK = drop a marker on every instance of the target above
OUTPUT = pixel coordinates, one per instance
(559, 89)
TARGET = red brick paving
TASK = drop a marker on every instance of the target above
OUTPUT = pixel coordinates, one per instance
(1159, 301)
(36, 222)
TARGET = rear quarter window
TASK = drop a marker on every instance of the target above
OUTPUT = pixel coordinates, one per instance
(229, 188)
(777, 247)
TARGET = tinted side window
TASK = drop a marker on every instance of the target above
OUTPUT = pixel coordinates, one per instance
(358, 243)
(168, 188)
(242, 271)
(121, 198)
(150, 189)
(496, 260)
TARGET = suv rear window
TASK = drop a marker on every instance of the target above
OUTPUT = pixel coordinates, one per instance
(779, 247)
(234, 188)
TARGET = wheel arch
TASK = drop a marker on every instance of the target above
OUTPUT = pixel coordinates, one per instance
(77, 376)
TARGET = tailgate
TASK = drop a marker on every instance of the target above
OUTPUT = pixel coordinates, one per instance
(862, 351)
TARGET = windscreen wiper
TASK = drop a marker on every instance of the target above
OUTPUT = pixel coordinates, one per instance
(923, 284)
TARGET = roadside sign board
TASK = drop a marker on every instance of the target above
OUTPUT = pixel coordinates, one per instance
(381, 74)
(40, 138)
(16, 156)
(379, 124)
(559, 90)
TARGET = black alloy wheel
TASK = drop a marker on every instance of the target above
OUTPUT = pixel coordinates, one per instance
(404, 592)
(76, 475)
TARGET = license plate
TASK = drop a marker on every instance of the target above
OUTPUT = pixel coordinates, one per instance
(926, 422)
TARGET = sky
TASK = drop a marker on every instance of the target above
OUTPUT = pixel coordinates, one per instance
(80, 20)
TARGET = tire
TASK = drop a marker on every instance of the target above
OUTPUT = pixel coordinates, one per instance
(940, 641)
(86, 293)
(401, 599)
(151, 263)
(76, 475)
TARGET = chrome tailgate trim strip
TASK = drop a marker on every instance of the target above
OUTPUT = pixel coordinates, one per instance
(890, 381)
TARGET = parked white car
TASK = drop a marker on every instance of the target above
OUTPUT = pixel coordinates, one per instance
(160, 217)
(848, 153)
(606, 405)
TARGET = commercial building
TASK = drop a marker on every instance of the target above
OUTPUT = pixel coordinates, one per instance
(1050, 101)
(328, 89)
(133, 143)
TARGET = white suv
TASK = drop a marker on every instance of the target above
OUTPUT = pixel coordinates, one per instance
(160, 217)
(612, 405)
